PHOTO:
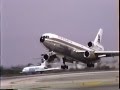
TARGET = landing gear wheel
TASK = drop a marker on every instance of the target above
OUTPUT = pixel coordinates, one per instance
(90, 65)
(64, 67)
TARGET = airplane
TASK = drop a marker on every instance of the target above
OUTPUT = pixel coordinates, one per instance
(37, 69)
(69, 51)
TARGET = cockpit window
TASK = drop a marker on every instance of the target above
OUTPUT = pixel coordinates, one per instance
(46, 36)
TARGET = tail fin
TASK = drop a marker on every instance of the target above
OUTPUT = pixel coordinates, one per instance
(98, 37)
(44, 64)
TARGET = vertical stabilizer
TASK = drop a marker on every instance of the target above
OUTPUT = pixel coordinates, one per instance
(44, 64)
(98, 37)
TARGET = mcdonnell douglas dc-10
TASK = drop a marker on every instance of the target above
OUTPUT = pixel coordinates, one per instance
(69, 51)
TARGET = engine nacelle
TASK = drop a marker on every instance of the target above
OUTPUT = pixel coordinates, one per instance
(90, 44)
(89, 54)
(50, 55)
(46, 57)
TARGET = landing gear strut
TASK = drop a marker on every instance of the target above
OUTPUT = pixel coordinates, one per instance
(64, 66)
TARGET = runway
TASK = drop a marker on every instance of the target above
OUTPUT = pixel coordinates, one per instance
(65, 81)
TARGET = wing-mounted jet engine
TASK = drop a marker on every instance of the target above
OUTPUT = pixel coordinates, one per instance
(89, 54)
(49, 57)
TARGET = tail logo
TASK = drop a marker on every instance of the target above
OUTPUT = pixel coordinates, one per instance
(99, 38)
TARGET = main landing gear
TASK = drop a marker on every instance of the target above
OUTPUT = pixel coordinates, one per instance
(90, 65)
(64, 66)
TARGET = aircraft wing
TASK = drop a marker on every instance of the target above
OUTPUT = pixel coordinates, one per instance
(101, 53)
(107, 53)
(48, 69)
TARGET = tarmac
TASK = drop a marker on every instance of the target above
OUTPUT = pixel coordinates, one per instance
(65, 81)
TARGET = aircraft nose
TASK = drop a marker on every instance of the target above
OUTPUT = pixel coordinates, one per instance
(23, 70)
(42, 39)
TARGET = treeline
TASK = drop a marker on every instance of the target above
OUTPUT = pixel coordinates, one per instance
(15, 70)
(11, 71)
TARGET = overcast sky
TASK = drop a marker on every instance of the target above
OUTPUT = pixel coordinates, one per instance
(24, 21)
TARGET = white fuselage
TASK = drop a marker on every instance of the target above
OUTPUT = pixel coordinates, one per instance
(33, 69)
(71, 51)
(67, 47)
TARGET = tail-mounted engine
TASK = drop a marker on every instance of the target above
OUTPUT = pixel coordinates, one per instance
(90, 44)
(95, 46)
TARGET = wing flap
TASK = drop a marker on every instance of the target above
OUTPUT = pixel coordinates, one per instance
(49, 69)
(107, 53)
